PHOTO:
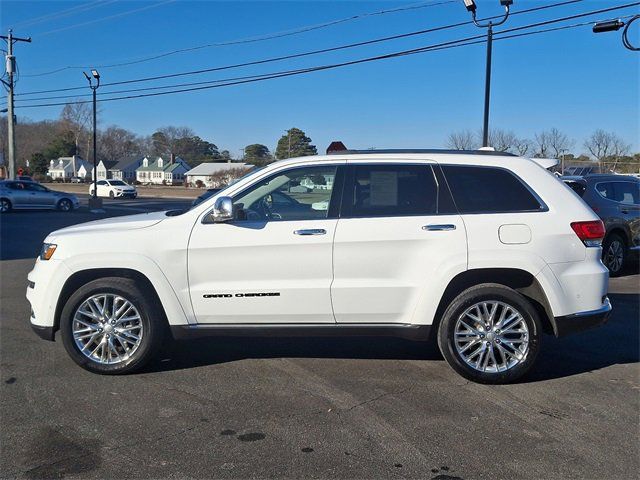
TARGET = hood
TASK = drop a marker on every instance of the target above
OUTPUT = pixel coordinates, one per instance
(129, 222)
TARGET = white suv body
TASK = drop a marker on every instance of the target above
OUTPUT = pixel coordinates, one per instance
(355, 243)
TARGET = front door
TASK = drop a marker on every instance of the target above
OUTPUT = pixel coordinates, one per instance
(397, 237)
(272, 263)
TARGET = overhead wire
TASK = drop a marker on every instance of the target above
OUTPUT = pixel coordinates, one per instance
(478, 39)
(304, 54)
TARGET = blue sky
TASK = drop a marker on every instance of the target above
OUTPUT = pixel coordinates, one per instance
(573, 80)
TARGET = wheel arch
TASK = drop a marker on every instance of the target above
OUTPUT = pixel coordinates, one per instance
(619, 230)
(520, 280)
(82, 277)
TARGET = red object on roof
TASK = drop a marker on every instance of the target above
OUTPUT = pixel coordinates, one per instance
(336, 147)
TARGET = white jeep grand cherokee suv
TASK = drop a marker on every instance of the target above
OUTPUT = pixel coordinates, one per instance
(486, 251)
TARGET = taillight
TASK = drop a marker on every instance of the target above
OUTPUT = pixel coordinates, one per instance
(591, 233)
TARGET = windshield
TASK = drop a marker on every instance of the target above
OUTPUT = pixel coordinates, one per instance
(118, 183)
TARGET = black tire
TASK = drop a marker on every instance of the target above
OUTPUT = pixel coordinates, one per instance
(614, 254)
(467, 299)
(111, 195)
(65, 205)
(153, 324)
(5, 205)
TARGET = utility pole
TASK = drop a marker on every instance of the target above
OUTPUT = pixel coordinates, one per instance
(11, 117)
(95, 202)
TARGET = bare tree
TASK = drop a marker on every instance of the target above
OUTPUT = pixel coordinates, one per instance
(523, 146)
(600, 144)
(559, 142)
(462, 140)
(502, 140)
(77, 118)
(115, 143)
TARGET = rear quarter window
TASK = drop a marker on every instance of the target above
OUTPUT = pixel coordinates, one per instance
(489, 190)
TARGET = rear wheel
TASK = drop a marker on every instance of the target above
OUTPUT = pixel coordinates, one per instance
(5, 205)
(490, 334)
(65, 205)
(614, 254)
(110, 327)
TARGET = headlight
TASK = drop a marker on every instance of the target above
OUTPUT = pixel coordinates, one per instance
(47, 250)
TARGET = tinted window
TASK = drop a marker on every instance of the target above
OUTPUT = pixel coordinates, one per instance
(393, 190)
(295, 194)
(605, 189)
(627, 193)
(488, 190)
(102, 182)
(577, 187)
(34, 187)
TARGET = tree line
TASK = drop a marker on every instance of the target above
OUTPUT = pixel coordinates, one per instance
(602, 146)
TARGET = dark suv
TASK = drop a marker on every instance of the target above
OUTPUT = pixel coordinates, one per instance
(616, 200)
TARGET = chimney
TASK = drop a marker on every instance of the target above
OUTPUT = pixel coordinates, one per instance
(73, 162)
(173, 158)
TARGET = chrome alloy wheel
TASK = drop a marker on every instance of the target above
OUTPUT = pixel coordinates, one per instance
(614, 256)
(492, 337)
(107, 328)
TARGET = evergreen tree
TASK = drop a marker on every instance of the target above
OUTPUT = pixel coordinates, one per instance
(295, 143)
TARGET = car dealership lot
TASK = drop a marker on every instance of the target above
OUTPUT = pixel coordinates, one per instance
(363, 408)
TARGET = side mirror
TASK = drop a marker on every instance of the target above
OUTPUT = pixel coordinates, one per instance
(222, 210)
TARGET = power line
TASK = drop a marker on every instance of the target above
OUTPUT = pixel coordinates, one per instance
(254, 39)
(117, 15)
(304, 54)
(477, 39)
(62, 13)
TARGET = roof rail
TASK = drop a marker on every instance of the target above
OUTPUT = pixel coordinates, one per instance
(424, 150)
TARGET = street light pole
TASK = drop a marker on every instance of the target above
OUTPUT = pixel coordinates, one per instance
(95, 203)
(471, 7)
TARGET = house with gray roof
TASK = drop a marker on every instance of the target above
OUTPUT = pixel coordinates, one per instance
(67, 167)
(208, 173)
(125, 168)
(162, 171)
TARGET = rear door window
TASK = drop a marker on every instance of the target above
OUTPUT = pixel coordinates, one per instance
(391, 191)
(627, 193)
(489, 190)
(606, 190)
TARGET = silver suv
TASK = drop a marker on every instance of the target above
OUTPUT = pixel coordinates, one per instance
(616, 200)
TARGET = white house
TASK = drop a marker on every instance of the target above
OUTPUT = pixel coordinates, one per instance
(104, 169)
(161, 171)
(125, 168)
(205, 172)
(67, 167)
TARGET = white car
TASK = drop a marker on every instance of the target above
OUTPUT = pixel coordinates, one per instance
(114, 189)
(484, 251)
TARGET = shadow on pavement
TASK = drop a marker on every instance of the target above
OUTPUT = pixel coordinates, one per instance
(617, 342)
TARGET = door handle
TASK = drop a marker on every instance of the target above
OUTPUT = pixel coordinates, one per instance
(439, 228)
(311, 231)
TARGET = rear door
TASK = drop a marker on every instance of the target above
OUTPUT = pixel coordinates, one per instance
(627, 194)
(397, 236)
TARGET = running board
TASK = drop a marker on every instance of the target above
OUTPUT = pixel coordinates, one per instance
(407, 331)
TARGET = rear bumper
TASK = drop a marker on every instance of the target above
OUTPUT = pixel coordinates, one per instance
(578, 322)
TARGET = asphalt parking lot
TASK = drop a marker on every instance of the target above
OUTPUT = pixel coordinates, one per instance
(318, 408)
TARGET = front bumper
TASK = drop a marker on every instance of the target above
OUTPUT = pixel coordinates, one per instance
(578, 322)
(46, 333)
(126, 194)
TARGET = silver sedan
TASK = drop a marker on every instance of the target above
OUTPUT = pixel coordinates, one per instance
(22, 195)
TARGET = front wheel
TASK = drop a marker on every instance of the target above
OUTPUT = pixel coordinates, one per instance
(109, 326)
(490, 334)
(65, 205)
(111, 195)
